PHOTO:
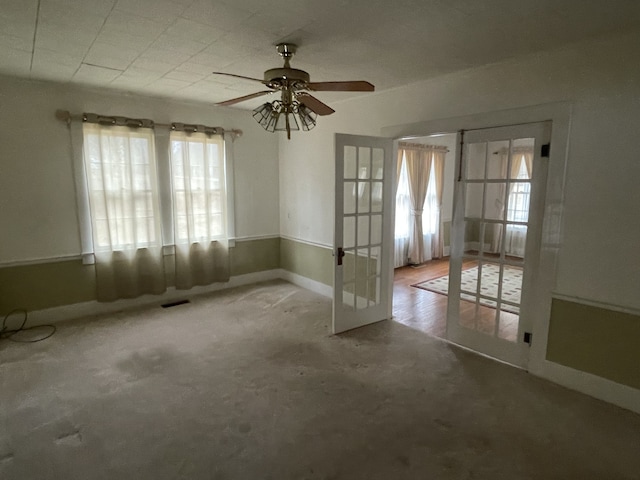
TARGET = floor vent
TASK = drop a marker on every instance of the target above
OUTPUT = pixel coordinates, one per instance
(174, 304)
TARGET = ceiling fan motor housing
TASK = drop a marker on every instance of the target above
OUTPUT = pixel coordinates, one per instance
(281, 74)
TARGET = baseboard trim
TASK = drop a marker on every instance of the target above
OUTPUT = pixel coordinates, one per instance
(307, 283)
(63, 313)
(589, 384)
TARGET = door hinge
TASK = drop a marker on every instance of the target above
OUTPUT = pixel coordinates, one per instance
(544, 150)
(527, 337)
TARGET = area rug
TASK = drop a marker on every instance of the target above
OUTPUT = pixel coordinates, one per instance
(511, 286)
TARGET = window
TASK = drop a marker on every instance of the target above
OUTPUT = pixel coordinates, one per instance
(198, 184)
(120, 165)
(403, 206)
(121, 179)
(122, 187)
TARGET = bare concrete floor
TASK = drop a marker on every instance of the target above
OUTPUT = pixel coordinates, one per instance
(248, 384)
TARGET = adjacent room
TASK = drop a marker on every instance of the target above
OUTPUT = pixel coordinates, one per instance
(310, 240)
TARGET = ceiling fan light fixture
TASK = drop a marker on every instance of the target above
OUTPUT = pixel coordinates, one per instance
(286, 122)
(280, 117)
(307, 117)
(267, 115)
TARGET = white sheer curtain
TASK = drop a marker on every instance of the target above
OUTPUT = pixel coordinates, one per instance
(403, 215)
(437, 176)
(119, 164)
(418, 163)
(518, 202)
(406, 223)
(199, 209)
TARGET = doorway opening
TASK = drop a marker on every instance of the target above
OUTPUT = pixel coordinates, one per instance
(424, 309)
(421, 287)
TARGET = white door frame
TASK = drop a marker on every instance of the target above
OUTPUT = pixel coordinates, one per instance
(560, 116)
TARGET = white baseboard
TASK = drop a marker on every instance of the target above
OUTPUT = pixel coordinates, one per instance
(589, 384)
(69, 312)
(307, 283)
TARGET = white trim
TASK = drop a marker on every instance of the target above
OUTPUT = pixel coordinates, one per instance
(249, 238)
(307, 242)
(594, 303)
(589, 384)
(307, 283)
(39, 261)
(78, 310)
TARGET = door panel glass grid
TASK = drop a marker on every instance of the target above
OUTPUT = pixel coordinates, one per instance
(362, 226)
(496, 186)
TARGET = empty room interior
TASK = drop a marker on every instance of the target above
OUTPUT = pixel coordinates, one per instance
(319, 240)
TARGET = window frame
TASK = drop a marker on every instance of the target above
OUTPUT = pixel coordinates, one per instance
(164, 200)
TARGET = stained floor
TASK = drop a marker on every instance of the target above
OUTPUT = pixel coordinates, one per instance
(248, 384)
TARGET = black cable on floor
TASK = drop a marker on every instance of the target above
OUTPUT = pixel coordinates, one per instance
(9, 334)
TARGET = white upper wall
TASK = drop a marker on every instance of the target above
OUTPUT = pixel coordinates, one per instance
(37, 197)
(598, 257)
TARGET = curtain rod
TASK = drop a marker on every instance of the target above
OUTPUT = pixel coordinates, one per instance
(422, 146)
(66, 116)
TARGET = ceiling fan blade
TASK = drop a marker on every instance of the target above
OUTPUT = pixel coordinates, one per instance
(238, 76)
(314, 104)
(355, 86)
(242, 99)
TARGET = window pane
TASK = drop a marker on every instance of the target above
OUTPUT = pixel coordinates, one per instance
(473, 200)
(376, 229)
(364, 163)
(377, 164)
(122, 187)
(198, 186)
(349, 197)
(350, 162)
(518, 207)
(494, 201)
(497, 160)
(364, 196)
(476, 154)
(363, 230)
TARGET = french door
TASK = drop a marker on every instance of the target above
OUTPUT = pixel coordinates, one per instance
(363, 235)
(496, 232)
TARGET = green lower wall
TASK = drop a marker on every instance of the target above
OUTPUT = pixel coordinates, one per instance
(46, 285)
(307, 260)
(252, 256)
(596, 340)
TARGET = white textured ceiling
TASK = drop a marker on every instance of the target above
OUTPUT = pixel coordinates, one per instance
(169, 48)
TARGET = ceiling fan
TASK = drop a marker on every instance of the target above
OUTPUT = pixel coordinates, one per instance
(295, 102)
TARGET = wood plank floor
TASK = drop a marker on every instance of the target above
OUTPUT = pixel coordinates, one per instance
(427, 311)
(416, 308)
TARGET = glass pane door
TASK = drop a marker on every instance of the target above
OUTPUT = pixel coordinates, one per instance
(362, 231)
(497, 226)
